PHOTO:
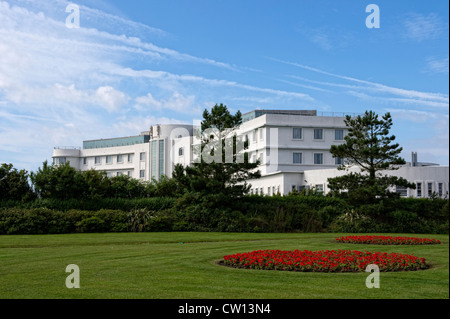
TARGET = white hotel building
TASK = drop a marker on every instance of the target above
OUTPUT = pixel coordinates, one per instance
(292, 146)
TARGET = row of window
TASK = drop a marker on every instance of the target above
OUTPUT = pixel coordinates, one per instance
(297, 158)
(126, 173)
(274, 190)
(297, 134)
(270, 190)
(119, 158)
(424, 190)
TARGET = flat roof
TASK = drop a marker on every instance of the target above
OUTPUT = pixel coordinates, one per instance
(257, 113)
(116, 141)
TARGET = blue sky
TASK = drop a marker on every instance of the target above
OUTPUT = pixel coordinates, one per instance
(134, 63)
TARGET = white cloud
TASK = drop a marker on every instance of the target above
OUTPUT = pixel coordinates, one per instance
(400, 95)
(110, 98)
(177, 102)
(436, 65)
(421, 27)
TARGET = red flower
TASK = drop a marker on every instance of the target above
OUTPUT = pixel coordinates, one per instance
(386, 240)
(325, 261)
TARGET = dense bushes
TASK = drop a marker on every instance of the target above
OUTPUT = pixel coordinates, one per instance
(192, 212)
(49, 221)
(125, 204)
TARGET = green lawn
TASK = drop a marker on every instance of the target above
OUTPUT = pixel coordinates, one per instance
(184, 266)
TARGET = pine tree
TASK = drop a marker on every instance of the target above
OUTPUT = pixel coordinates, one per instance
(221, 165)
(369, 146)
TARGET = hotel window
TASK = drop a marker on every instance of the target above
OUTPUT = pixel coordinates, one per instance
(119, 158)
(60, 160)
(339, 134)
(180, 151)
(261, 134)
(119, 173)
(153, 159)
(108, 159)
(318, 134)
(318, 158)
(402, 191)
(108, 174)
(98, 160)
(85, 160)
(338, 161)
(419, 189)
(130, 158)
(142, 156)
(142, 173)
(254, 136)
(297, 133)
(440, 189)
(161, 158)
(430, 189)
(129, 173)
(297, 158)
(319, 188)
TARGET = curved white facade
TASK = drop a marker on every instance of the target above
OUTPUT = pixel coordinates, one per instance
(292, 146)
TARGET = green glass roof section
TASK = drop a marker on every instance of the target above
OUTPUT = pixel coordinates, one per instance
(257, 113)
(114, 142)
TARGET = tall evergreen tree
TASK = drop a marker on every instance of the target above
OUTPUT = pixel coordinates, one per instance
(221, 165)
(369, 146)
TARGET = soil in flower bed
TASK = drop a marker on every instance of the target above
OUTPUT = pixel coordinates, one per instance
(324, 260)
(386, 240)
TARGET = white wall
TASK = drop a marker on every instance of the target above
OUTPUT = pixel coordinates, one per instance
(421, 174)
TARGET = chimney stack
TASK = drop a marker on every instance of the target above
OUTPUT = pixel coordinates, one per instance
(413, 158)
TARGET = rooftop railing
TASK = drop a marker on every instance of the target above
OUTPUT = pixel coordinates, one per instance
(67, 148)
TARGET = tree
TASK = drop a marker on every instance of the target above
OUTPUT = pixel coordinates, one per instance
(369, 146)
(97, 184)
(14, 183)
(58, 181)
(221, 165)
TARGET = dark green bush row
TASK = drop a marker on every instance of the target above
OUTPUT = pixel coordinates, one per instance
(125, 204)
(49, 221)
(249, 214)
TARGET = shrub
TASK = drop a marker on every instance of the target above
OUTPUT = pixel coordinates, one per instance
(92, 224)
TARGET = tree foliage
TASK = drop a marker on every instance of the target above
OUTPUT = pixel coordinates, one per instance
(369, 146)
(14, 183)
(222, 165)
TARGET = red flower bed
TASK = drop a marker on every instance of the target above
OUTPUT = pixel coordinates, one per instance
(387, 240)
(324, 260)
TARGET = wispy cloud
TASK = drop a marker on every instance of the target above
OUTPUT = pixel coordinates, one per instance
(403, 95)
(421, 27)
(325, 38)
(436, 65)
(75, 84)
(177, 102)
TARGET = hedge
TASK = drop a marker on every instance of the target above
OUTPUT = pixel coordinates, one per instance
(249, 214)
